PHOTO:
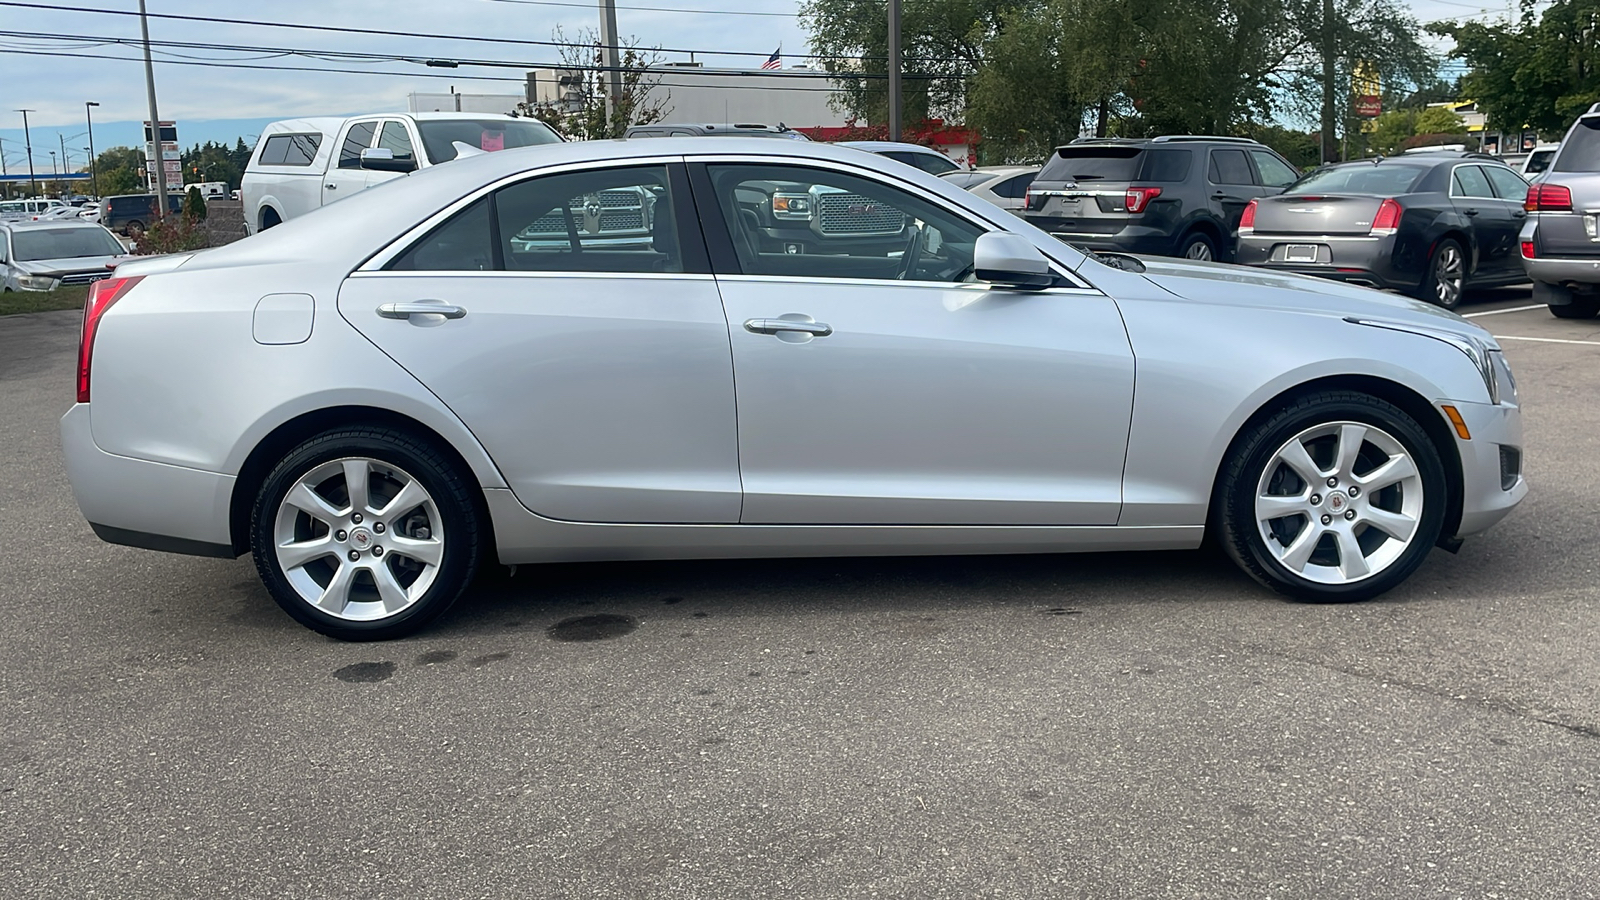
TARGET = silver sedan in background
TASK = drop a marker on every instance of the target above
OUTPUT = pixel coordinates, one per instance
(1004, 186)
(378, 398)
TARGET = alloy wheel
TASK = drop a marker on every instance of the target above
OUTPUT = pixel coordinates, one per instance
(359, 539)
(1198, 250)
(1448, 275)
(1339, 502)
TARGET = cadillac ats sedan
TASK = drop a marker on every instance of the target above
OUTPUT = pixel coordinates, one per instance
(816, 352)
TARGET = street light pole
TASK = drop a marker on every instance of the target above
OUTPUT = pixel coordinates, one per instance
(611, 55)
(155, 118)
(27, 143)
(894, 71)
(94, 177)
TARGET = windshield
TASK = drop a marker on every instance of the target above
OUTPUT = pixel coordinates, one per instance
(487, 134)
(1362, 178)
(63, 243)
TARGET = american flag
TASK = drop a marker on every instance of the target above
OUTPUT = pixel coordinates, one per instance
(775, 61)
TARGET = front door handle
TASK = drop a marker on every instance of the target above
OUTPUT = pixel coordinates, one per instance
(421, 308)
(332, 187)
(777, 326)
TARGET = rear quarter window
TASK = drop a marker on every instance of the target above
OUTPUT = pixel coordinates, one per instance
(1580, 151)
(1166, 165)
(290, 150)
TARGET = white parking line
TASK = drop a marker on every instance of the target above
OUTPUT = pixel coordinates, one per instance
(1512, 337)
(1496, 312)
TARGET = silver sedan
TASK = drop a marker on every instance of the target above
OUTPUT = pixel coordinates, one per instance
(816, 352)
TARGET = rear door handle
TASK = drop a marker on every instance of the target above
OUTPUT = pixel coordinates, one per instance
(421, 308)
(776, 326)
(1470, 212)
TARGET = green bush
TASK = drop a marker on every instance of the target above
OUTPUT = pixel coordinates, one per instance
(194, 206)
(169, 235)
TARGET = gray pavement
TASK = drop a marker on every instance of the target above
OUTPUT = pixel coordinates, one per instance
(1138, 726)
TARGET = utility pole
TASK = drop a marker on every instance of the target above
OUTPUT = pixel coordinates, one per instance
(94, 177)
(894, 71)
(611, 57)
(27, 143)
(155, 118)
(1329, 146)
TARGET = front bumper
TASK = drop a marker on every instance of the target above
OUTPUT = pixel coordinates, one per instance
(1488, 492)
(146, 504)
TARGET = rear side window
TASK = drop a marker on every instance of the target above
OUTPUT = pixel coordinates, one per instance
(1274, 171)
(1014, 188)
(1580, 150)
(462, 244)
(1230, 167)
(1469, 181)
(357, 139)
(1508, 185)
(290, 149)
(1166, 165)
(932, 164)
(1093, 164)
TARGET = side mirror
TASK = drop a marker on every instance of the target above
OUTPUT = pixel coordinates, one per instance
(1010, 261)
(382, 159)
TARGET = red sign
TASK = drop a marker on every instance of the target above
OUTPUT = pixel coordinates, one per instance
(1369, 106)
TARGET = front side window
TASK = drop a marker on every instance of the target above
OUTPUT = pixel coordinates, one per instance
(1230, 167)
(933, 163)
(394, 138)
(1274, 171)
(600, 220)
(1507, 184)
(796, 221)
(357, 139)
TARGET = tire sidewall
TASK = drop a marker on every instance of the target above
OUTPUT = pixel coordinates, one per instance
(1273, 435)
(443, 485)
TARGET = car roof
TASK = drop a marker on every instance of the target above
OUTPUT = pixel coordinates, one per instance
(880, 146)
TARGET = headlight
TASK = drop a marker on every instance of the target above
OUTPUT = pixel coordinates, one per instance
(1505, 383)
(791, 206)
(36, 282)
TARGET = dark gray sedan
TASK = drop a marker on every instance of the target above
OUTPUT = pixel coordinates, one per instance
(1429, 224)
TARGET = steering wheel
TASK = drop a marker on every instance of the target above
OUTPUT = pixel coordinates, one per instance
(912, 255)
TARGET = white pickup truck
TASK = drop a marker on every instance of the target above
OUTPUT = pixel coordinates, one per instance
(301, 164)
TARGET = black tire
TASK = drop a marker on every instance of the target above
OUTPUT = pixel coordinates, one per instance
(1233, 507)
(1579, 308)
(1198, 242)
(452, 493)
(1429, 291)
(134, 228)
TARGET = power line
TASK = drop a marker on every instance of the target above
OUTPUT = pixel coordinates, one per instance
(341, 29)
(665, 9)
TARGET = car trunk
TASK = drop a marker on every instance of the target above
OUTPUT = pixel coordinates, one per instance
(1314, 214)
(1084, 189)
(1576, 168)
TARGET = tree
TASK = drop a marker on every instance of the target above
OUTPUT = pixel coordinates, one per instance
(194, 206)
(213, 162)
(587, 119)
(1539, 74)
(120, 170)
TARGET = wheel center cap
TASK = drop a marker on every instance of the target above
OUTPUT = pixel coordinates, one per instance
(1337, 501)
(361, 539)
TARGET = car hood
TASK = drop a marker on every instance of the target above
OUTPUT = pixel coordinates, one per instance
(1228, 285)
(59, 267)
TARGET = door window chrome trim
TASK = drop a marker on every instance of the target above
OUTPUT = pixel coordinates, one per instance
(512, 273)
(1452, 190)
(893, 283)
(399, 245)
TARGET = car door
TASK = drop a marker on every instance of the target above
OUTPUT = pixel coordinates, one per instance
(395, 136)
(571, 321)
(1494, 231)
(345, 177)
(879, 383)
(1232, 185)
(1511, 192)
(1272, 173)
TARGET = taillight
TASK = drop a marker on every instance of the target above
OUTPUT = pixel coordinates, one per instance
(1139, 197)
(1247, 222)
(1548, 198)
(1387, 219)
(1034, 200)
(102, 294)
(1527, 250)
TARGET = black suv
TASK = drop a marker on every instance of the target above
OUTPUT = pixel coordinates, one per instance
(1176, 195)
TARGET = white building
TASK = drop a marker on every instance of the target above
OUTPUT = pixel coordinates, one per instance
(796, 97)
(453, 102)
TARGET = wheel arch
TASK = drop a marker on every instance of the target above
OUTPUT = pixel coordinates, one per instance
(1408, 400)
(284, 438)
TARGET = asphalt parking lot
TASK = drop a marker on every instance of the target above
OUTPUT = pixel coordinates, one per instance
(1138, 726)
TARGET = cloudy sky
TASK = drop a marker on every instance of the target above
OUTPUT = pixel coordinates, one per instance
(53, 59)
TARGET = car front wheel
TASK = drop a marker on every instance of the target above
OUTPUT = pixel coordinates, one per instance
(365, 534)
(1337, 498)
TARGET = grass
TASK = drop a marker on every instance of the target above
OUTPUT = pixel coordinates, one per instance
(14, 302)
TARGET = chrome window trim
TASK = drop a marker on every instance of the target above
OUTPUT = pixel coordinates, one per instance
(1455, 196)
(979, 220)
(974, 286)
(399, 245)
(507, 273)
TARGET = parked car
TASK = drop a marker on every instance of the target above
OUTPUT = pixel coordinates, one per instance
(55, 213)
(131, 214)
(1004, 186)
(925, 158)
(1178, 195)
(302, 164)
(16, 210)
(90, 212)
(1538, 160)
(209, 190)
(1429, 224)
(1560, 241)
(42, 256)
(376, 399)
(685, 129)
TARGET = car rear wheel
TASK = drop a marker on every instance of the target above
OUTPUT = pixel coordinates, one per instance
(365, 534)
(1447, 275)
(1579, 308)
(1199, 246)
(1337, 498)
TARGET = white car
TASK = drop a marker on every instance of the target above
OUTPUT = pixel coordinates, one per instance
(90, 212)
(301, 164)
(376, 399)
(1539, 160)
(1004, 186)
